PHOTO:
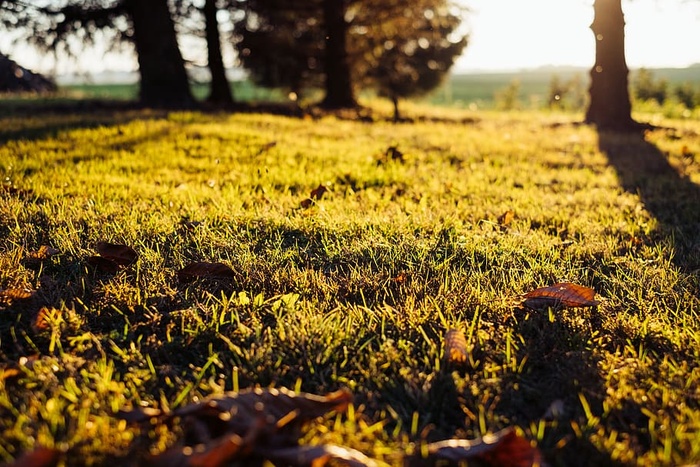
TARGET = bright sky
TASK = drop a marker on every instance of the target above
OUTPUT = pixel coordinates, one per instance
(513, 34)
(523, 34)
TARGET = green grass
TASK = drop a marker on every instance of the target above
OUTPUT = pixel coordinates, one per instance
(357, 290)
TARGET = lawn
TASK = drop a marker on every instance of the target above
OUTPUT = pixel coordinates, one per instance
(435, 225)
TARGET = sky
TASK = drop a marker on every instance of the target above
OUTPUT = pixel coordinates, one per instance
(515, 34)
(512, 35)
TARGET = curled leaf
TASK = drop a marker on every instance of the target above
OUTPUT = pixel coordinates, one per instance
(502, 449)
(317, 456)
(280, 408)
(561, 295)
(121, 254)
(204, 270)
(456, 350)
(217, 453)
(318, 192)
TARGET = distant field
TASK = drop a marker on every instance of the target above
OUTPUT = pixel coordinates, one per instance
(461, 90)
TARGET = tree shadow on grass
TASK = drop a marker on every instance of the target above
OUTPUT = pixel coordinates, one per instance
(557, 381)
(667, 194)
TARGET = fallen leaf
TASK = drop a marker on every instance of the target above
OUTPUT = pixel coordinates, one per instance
(10, 296)
(229, 426)
(44, 252)
(266, 147)
(39, 457)
(512, 450)
(204, 270)
(317, 456)
(102, 264)
(214, 454)
(502, 449)
(561, 295)
(505, 219)
(456, 351)
(121, 254)
(401, 278)
(44, 318)
(280, 408)
(394, 154)
(318, 192)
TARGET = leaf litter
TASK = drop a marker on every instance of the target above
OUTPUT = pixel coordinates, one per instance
(558, 296)
(265, 424)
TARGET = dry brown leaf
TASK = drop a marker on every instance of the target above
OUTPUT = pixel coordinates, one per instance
(121, 254)
(316, 456)
(10, 296)
(39, 457)
(231, 425)
(505, 219)
(280, 408)
(318, 192)
(44, 318)
(204, 270)
(502, 449)
(44, 252)
(512, 450)
(393, 153)
(103, 264)
(563, 294)
(215, 454)
(456, 350)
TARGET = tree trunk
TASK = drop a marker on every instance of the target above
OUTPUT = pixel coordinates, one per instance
(164, 80)
(395, 102)
(609, 105)
(339, 92)
(220, 91)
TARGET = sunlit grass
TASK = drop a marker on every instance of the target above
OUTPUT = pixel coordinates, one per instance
(356, 290)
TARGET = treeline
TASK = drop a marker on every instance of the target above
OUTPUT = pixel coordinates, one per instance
(395, 48)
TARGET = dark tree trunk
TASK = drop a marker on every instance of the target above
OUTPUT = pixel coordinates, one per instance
(395, 102)
(609, 105)
(339, 92)
(220, 92)
(164, 80)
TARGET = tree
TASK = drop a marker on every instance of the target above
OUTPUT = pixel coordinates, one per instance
(338, 84)
(280, 43)
(220, 92)
(164, 81)
(609, 106)
(148, 24)
(296, 44)
(400, 49)
(403, 65)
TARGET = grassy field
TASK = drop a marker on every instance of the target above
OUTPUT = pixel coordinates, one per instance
(473, 90)
(356, 288)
